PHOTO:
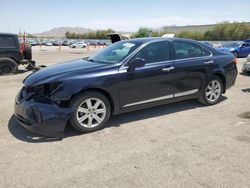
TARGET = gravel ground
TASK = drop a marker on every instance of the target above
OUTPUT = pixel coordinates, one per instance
(176, 145)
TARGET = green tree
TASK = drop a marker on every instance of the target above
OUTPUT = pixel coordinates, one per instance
(142, 32)
(191, 35)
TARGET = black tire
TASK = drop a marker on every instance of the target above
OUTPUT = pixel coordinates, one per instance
(7, 66)
(236, 54)
(27, 51)
(78, 100)
(203, 95)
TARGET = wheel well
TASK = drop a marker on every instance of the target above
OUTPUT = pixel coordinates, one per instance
(9, 58)
(223, 79)
(105, 93)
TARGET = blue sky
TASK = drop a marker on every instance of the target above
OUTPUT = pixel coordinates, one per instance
(128, 15)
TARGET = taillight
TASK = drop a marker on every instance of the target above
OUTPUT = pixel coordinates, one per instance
(235, 61)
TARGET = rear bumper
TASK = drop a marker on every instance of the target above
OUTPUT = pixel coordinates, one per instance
(44, 119)
(231, 77)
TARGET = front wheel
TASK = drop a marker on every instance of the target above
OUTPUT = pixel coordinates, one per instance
(92, 111)
(212, 92)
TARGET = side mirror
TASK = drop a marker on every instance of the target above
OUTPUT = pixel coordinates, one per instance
(138, 62)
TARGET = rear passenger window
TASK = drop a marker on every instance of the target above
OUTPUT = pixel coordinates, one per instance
(7, 42)
(154, 52)
(188, 50)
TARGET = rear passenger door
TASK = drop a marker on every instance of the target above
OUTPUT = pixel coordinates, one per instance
(192, 62)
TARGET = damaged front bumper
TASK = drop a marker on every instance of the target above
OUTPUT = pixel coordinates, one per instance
(44, 119)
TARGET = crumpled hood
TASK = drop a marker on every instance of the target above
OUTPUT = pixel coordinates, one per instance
(55, 71)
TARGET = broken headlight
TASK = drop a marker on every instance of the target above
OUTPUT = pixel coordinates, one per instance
(42, 93)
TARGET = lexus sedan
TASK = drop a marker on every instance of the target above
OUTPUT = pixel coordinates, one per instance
(128, 75)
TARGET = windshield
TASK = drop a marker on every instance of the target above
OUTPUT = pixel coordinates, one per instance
(115, 52)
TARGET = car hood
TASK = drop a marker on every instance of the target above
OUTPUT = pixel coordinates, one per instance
(71, 68)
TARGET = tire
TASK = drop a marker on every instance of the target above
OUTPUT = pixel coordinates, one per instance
(211, 96)
(7, 66)
(27, 51)
(86, 111)
(236, 54)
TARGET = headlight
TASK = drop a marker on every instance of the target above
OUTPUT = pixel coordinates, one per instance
(43, 92)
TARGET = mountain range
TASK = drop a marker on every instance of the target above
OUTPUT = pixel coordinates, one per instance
(59, 32)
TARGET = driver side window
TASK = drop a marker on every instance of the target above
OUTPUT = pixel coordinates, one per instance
(154, 52)
(245, 44)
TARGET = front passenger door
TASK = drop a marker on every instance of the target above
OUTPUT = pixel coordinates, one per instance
(150, 83)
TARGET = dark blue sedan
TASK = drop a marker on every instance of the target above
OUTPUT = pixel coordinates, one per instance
(128, 75)
(239, 50)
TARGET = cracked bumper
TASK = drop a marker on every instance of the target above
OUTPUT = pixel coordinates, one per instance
(44, 119)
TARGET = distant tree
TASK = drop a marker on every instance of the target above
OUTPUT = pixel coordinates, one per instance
(191, 35)
(142, 32)
(228, 31)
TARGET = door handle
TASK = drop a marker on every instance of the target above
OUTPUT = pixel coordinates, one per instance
(168, 69)
(209, 62)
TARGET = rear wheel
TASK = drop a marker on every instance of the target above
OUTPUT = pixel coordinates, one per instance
(7, 66)
(92, 111)
(212, 91)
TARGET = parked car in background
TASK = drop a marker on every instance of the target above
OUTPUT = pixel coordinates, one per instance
(126, 76)
(78, 45)
(57, 43)
(65, 43)
(14, 53)
(48, 43)
(39, 42)
(246, 66)
(115, 37)
(33, 43)
(239, 50)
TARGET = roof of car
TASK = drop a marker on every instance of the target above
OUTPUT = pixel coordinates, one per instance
(8, 34)
(147, 39)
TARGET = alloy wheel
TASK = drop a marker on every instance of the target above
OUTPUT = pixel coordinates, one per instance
(213, 91)
(91, 113)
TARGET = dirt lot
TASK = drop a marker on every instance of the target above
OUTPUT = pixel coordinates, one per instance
(175, 145)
